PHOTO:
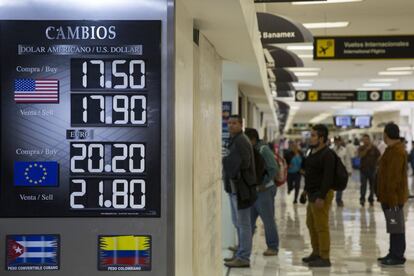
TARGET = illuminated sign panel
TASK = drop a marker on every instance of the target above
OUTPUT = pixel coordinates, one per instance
(80, 118)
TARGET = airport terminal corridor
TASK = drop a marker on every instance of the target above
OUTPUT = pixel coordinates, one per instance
(358, 238)
(127, 127)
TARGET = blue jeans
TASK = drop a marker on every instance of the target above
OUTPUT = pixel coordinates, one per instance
(293, 180)
(339, 196)
(265, 208)
(241, 220)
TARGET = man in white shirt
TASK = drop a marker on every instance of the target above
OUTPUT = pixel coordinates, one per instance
(343, 154)
(381, 147)
(351, 149)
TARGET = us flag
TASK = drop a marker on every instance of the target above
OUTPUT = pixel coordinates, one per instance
(36, 91)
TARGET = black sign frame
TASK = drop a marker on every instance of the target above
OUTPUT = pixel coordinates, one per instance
(28, 201)
(354, 96)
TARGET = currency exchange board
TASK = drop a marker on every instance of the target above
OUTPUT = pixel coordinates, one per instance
(80, 118)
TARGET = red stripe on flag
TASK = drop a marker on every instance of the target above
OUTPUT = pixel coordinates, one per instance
(144, 261)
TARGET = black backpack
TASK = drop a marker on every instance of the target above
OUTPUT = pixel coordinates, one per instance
(260, 165)
(340, 174)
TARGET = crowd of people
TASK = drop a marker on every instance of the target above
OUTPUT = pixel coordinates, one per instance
(250, 170)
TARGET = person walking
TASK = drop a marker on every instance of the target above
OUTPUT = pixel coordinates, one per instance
(392, 192)
(239, 182)
(319, 176)
(342, 153)
(294, 176)
(266, 192)
(369, 155)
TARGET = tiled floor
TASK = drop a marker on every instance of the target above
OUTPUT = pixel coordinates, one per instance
(358, 237)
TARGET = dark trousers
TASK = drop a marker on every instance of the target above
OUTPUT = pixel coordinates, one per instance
(397, 243)
(293, 180)
(367, 177)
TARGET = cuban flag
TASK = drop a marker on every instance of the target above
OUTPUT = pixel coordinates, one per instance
(36, 91)
(33, 250)
(36, 174)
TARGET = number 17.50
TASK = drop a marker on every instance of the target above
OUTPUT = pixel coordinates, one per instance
(127, 79)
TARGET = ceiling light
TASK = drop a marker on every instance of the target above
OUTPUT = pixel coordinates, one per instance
(300, 47)
(408, 68)
(305, 56)
(298, 84)
(377, 84)
(306, 74)
(367, 89)
(388, 106)
(304, 69)
(271, 75)
(325, 2)
(339, 107)
(10, 3)
(325, 25)
(270, 62)
(395, 73)
(320, 118)
(383, 80)
(306, 81)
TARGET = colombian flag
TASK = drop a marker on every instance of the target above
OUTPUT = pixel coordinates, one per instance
(125, 251)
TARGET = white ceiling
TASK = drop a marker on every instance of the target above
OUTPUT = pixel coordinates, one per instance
(369, 17)
(231, 26)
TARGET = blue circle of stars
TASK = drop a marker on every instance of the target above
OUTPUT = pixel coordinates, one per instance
(38, 167)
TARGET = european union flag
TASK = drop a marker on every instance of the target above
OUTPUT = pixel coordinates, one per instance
(36, 174)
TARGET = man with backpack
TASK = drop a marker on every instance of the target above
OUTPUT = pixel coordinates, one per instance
(240, 183)
(266, 170)
(319, 177)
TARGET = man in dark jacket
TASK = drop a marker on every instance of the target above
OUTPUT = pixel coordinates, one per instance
(369, 155)
(240, 182)
(392, 190)
(319, 177)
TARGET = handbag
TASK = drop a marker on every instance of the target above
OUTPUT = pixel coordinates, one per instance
(395, 220)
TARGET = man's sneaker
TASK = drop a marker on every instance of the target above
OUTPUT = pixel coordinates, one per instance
(371, 204)
(229, 259)
(233, 248)
(310, 258)
(270, 252)
(236, 262)
(362, 202)
(383, 258)
(320, 263)
(340, 203)
(392, 262)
